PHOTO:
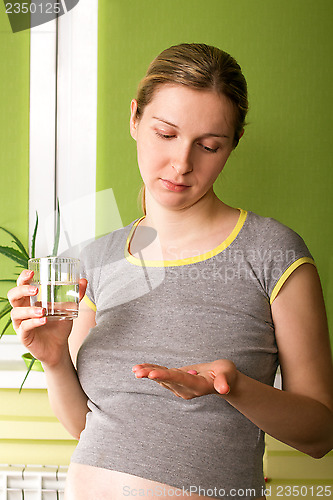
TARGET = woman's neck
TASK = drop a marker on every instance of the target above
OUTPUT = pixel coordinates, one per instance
(179, 226)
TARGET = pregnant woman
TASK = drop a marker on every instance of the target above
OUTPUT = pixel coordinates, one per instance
(166, 377)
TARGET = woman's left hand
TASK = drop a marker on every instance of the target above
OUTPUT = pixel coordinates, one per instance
(188, 382)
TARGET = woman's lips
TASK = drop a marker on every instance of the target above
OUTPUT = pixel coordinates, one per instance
(171, 186)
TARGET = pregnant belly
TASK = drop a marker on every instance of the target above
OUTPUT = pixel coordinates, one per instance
(85, 482)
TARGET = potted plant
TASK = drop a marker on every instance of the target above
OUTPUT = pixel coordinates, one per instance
(20, 255)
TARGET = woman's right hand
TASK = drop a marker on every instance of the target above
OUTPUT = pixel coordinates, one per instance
(45, 340)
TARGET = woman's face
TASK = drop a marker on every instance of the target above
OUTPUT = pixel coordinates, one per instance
(184, 138)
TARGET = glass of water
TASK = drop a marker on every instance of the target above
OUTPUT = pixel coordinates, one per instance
(57, 280)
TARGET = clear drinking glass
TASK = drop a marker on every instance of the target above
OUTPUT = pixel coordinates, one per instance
(57, 279)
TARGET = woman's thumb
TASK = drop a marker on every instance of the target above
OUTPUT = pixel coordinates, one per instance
(221, 384)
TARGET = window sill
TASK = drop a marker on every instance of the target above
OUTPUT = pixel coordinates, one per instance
(13, 368)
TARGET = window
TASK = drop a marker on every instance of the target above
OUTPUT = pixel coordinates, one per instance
(63, 115)
(63, 112)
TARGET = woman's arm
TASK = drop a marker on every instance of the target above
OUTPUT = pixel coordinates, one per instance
(66, 396)
(301, 415)
(305, 414)
(48, 342)
(67, 399)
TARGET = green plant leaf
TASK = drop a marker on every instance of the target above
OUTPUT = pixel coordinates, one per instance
(5, 310)
(14, 255)
(17, 242)
(33, 241)
(27, 373)
(57, 232)
(3, 299)
(5, 327)
(7, 281)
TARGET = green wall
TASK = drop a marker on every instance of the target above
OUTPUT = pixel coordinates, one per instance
(282, 166)
(14, 140)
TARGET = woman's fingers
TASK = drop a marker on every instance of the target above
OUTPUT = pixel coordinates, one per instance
(21, 294)
(162, 373)
(221, 384)
(28, 325)
(225, 376)
(27, 318)
(22, 313)
(25, 276)
(180, 382)
(143, 369)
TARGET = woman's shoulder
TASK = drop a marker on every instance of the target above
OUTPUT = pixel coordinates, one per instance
(270, 237)
(274, 251)
(110, 244)
(271, 231)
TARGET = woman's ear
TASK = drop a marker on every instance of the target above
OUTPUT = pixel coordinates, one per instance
(236, 142)
(134, 119)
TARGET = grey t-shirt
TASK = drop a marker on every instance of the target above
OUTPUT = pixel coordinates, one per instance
(177, 313)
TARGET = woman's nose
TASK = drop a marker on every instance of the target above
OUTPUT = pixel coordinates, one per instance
(183, 162)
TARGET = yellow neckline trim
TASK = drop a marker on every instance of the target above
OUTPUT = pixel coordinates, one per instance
(188, 260)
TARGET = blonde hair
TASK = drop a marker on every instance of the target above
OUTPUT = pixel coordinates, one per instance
(198, 66)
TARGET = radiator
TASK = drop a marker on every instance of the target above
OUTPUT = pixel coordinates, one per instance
(32, 482)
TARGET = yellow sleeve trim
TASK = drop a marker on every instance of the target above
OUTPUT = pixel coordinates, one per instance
(89, 303)
(287, 273)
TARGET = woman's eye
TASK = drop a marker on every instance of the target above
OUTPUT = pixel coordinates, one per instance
(210, 150)
(164, 136)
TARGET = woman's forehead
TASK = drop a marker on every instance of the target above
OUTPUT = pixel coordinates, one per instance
(179, 104)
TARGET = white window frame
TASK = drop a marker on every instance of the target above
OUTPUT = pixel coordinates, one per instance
(63, 118)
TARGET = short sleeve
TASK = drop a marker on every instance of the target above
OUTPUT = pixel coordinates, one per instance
(282, 251)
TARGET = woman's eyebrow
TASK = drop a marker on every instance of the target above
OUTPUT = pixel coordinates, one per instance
(215, 135)
(209, 134)
(165, 121)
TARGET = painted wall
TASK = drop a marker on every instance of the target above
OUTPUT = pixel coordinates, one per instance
(14, 139)
(29, 431)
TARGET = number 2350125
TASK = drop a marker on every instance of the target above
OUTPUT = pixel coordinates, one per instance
(33, 7)
(303, 491)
